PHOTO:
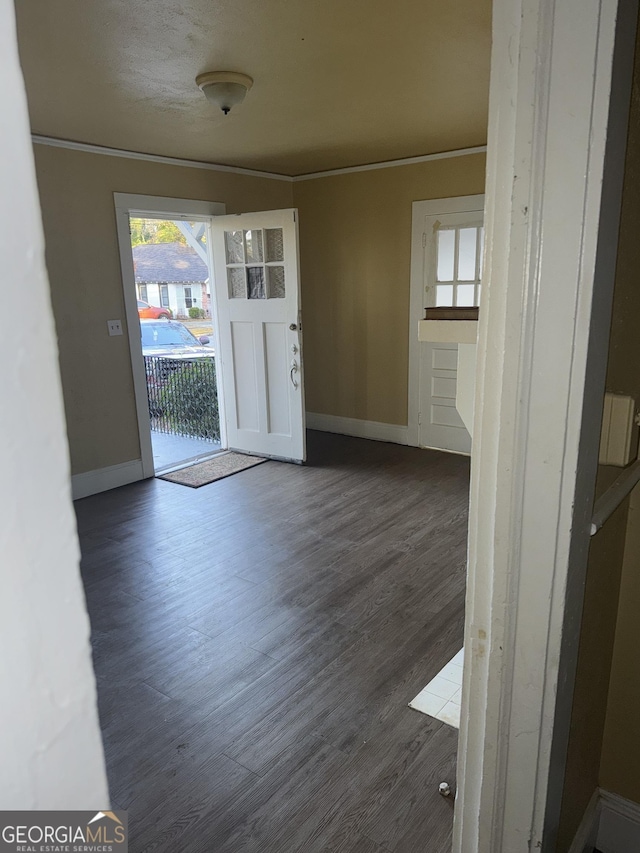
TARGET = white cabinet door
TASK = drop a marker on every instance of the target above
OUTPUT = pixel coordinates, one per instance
(452, 264)
(441, 426)
(258, 302)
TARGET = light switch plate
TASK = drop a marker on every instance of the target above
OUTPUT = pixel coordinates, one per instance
(619, 436)
(115, 327)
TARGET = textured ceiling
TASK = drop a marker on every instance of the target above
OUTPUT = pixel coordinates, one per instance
(336, 82)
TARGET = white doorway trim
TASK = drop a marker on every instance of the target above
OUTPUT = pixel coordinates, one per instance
(154, 207)
(420, 209)
(544, 328)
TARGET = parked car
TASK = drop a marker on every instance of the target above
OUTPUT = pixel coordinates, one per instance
(180, 369)
(152, 312)
(170, 339)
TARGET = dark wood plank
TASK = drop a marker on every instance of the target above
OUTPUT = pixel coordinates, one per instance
(256, 643)
(416, 816)
(356, 845)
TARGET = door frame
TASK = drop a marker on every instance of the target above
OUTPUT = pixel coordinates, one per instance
(559, 100)
(420, 209)
(156, 207)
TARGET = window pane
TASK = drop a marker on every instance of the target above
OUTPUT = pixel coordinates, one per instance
(481, 240)
(253, 245)
(235, 251)
(465, 295)
(446, 247)
(444, 295)
(237, 283)
(255, 282)
(467, 242)
(275, 249)
(275, 277)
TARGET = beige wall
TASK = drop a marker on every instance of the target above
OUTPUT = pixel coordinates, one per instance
(76, 194)
(620, 769)
(582, 773)
(355, 244)
(604, 748)
(355, 254)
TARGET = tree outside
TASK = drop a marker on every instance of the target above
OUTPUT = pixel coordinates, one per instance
(155, 231)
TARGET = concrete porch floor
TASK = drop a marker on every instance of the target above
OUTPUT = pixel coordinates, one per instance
(170, 450)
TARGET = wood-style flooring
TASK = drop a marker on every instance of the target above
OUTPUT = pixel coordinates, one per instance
(256, 642)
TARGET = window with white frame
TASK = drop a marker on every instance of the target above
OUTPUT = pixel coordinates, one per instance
(458, 266)
(142, 292)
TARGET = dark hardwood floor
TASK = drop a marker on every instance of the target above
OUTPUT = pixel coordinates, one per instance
(256, 643)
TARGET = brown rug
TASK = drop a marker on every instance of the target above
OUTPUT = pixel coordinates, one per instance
(213, 469)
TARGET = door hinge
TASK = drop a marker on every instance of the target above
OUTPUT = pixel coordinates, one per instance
(424, 241)
(419, 418)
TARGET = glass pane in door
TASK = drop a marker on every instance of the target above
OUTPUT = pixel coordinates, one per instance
(237, 283)
(446, 249)
(234, 246)
(465, 295)
(255, 282)
(467, 242)
(444, 295)
(275, 278)
(275, 247)
(253, 246)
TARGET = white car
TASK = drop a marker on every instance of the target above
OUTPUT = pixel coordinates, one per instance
(170, 339)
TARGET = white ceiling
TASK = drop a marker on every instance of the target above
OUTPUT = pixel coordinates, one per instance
(336, 82)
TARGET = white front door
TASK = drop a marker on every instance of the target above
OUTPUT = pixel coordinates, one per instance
(452, 262)
(258, 302)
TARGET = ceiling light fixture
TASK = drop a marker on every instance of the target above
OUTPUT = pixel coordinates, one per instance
(225, 89)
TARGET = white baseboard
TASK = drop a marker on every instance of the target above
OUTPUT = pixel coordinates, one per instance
(102, 479)
(619, 826)
(360, 429)
(610, 824)
(585, 838)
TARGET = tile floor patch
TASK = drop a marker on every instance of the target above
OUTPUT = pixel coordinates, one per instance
(442, 696)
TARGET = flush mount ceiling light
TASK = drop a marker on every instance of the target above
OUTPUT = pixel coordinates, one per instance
(225, 89)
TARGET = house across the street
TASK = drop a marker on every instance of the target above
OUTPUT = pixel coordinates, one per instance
(171, 275)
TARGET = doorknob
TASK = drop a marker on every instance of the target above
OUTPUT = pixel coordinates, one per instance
(293, 327)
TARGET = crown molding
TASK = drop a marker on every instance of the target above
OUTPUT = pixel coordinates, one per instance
(392, 164)
(54, 142)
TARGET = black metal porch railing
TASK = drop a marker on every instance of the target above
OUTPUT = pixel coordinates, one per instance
(183, 397)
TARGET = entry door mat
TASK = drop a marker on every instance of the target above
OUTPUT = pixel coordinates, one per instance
(214, 469)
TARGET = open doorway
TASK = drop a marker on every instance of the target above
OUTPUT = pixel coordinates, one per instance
(446, 268)
(252, 294)
(165, 257)
(173, 282)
